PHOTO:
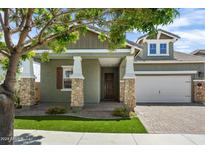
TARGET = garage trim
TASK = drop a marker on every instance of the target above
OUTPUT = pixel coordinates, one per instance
(164, 72)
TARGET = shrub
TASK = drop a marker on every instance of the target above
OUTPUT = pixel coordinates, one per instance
(132, 114)
(55, 110)
(17, 102)
(121, 112)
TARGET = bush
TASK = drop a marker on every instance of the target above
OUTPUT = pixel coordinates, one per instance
(121, 112)
(132, 114)
(17, 102)
(55, 110)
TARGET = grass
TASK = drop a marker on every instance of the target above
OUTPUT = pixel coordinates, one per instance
(75, 124)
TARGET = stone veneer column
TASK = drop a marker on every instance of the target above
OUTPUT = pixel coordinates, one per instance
(122, 90)
(27, 84)
(129, 94)
(129, 84)
(199, 91)
(77, 94)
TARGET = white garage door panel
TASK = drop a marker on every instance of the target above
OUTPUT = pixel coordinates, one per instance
(163, 89)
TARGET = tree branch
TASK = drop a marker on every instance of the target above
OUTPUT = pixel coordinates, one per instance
(6, 29)
(49, 39)
(5, 53)
(51, 21)
(19, 25)
(26, 29)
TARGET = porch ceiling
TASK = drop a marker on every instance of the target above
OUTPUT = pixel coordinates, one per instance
(109, 62)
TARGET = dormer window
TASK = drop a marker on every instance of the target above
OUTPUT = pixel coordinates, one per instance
(163, 48)
(158, 48)
(153, 48)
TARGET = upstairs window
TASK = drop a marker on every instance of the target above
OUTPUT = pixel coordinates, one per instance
(163, 48)
(157, 48)
(152, 48)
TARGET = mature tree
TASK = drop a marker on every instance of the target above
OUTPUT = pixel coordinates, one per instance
(23, 30)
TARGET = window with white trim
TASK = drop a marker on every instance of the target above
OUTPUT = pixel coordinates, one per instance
(157, 48)
(152, 48)
(163, 48)
(67, 72)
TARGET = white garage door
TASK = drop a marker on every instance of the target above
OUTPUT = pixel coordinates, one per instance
(169, 89)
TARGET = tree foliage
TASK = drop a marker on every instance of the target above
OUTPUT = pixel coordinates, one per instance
(27, 29)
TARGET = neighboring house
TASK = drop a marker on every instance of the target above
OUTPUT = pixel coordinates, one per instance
(148, 70)
(199, 52)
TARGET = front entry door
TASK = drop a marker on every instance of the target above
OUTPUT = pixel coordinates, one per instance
(109, 86)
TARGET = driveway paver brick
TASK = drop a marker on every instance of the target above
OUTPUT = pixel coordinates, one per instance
(172, 119)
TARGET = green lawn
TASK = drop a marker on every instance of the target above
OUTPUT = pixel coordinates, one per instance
(74, 124)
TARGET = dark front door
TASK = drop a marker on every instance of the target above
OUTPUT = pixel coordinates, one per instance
(109, 86)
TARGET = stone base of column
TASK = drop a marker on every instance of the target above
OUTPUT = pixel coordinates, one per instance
(199, 91)
(27, 91)
(129, 94)
(77, 94)
(122, 90)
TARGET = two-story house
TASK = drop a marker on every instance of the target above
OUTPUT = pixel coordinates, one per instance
(149, 70)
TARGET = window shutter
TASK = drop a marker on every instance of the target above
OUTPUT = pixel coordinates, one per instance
(59, 78)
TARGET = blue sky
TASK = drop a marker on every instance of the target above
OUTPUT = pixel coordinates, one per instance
(190, 26)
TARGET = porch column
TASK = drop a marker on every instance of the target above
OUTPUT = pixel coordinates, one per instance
(27, 84)
(77, 94)
(129, 83)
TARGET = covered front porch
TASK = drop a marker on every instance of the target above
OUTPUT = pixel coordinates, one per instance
(79, 78)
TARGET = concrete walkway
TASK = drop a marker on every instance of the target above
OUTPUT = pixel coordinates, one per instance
(102, 110)
(37, 137)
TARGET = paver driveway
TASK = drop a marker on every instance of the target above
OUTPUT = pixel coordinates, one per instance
(172, 118)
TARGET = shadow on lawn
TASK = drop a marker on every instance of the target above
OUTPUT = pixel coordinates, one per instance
(59, 117)
(27, 139)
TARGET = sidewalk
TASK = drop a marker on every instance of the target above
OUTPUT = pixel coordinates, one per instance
(38, 137)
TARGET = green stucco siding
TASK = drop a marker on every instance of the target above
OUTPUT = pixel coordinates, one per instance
(172, 67)
(49, 92)
(91, 72)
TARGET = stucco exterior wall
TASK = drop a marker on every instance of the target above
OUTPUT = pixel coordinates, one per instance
(49, 92)
(172, 67)
(91, 72)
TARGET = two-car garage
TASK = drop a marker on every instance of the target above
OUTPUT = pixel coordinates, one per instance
(163, 88)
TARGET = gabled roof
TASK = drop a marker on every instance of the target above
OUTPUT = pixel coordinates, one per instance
(198, 51)
(180, 56)
(159, 31)
(128, 42)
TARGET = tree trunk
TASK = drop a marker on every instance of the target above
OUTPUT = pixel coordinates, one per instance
(7, 102)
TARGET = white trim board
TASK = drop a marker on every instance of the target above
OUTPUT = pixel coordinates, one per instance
(164, 72)
(157, 42)
(166, 62)
(88, 51)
